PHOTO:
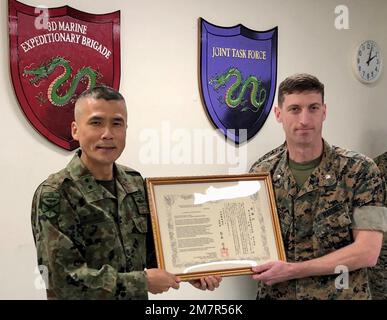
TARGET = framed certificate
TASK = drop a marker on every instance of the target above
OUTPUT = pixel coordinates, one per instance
(214, 225)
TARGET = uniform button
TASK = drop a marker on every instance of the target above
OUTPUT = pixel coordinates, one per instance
(87, 180)
(278, 176)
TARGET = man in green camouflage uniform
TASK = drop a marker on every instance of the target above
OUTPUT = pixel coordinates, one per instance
(90, 220)
(329, 201)
(378, 274)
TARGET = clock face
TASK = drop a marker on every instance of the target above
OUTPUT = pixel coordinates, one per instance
(368, 61)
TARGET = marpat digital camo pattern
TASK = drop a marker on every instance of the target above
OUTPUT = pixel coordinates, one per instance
(316, 219)
(92, 252)
(378, 274)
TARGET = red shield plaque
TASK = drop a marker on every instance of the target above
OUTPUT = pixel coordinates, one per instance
(56, 54)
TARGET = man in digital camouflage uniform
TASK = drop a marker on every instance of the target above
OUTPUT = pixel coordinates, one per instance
(378, 274)
(90, 220)
(329, 201)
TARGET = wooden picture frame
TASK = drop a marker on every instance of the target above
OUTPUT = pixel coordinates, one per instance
(214, 225)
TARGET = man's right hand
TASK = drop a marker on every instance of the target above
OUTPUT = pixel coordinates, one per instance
(160, 281)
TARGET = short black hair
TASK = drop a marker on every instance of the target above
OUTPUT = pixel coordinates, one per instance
(298, 83)
(102, 92)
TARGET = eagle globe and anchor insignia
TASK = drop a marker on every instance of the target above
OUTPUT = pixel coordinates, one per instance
(238, 75)
(56, 54)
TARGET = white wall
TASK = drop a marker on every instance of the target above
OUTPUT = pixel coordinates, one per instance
(160, 38)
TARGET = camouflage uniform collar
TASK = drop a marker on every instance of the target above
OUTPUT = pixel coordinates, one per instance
(326, 172)
(88, 184)
(126, 181)
(76, 168)
(282, 176)
(324, 175)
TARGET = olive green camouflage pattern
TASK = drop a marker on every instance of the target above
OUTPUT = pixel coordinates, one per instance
(378, 274)
(317, 219)
(93, 243)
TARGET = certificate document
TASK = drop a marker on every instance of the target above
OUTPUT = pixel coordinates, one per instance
(214, 225)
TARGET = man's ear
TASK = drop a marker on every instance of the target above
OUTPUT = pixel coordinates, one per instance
(74, 130)
(324, 111)
(277, 112)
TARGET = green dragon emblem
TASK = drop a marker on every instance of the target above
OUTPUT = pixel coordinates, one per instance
(48, 68)
(257, 95)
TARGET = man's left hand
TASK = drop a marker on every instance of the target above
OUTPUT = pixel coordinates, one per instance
(207, 283)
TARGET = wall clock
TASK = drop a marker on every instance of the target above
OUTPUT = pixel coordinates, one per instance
(368, 61)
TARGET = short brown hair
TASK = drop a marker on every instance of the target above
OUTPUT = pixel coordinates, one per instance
(298, 83)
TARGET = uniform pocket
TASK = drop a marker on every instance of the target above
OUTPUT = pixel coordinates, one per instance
(332, 229)
(92, 217)
(140, 217)
(140, 222)
(97, 227)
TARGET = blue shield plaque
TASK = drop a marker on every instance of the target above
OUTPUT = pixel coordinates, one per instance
(238, 76)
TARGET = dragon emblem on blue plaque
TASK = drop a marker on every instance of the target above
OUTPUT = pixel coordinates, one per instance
(238, 76)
